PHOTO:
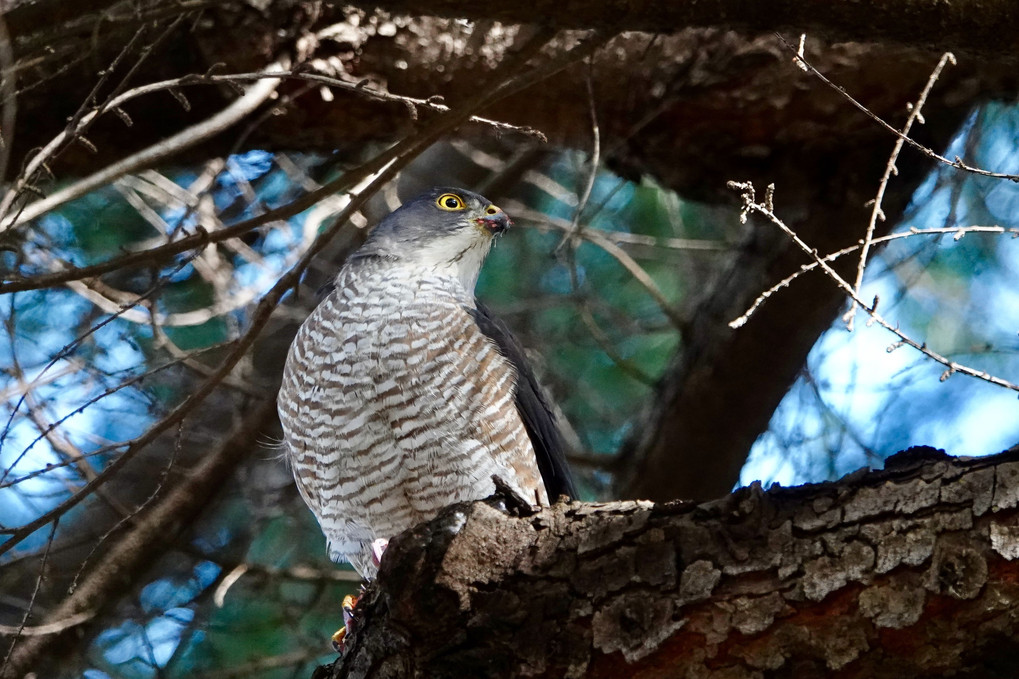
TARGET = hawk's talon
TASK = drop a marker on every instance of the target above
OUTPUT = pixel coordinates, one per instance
(341, 635)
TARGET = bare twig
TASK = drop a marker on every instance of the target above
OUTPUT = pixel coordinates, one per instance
(76, 126)
(202, 238)
(368, 92)
(133, 516)
(603, 341)
(121, 385)
(593, 161)
(295, 573)
(293, 659)
(49, 628)
(70, 347)
(272, 75)
(957, 233)
(258, 319)
(605, 242)
(877, 213)
(13, 648)
(958, 163)
(100, 587)
(255, 96)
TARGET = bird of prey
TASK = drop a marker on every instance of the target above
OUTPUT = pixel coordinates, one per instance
(402, 394)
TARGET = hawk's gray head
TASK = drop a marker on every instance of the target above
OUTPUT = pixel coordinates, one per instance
(447, 230)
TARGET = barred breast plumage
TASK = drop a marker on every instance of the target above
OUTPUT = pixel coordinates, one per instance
(401, 395)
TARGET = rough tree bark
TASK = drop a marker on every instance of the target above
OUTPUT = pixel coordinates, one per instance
(977, 26)
(908, 572)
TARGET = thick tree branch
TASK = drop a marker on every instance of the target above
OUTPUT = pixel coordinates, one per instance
(910, 571)
(989, 28)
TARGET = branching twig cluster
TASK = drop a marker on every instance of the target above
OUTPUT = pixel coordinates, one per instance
(957, 163)
(765, 208)
(261, 87)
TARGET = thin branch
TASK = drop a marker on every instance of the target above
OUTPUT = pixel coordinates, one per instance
(258, 319)
(9, 656)
(77, 124)
(300, 573)
(958, 163)
(206, 129)
(123, 384)
(49, 628)
(877, 212)
(295, 659)
(605, 342)
(431, 104)
(594, 161)
(132, 517)
(957, 232)
(71, 346)
(604, 241)
(101, 586)
(257, 94)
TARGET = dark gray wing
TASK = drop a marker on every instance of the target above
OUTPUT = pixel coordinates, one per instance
(533, 408)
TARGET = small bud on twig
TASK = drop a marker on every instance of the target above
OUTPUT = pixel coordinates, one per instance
(122, 114)
(181, 99)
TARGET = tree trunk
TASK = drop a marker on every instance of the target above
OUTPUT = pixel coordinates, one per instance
(908, 572)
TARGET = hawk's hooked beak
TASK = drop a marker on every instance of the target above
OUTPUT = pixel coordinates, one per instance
(495, 221)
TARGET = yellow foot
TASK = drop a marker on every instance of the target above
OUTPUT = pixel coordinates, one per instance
(341, 635)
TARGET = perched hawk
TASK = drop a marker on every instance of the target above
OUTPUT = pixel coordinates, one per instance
(402, 394)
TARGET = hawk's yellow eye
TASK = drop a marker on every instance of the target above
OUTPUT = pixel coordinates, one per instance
(450, 201)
